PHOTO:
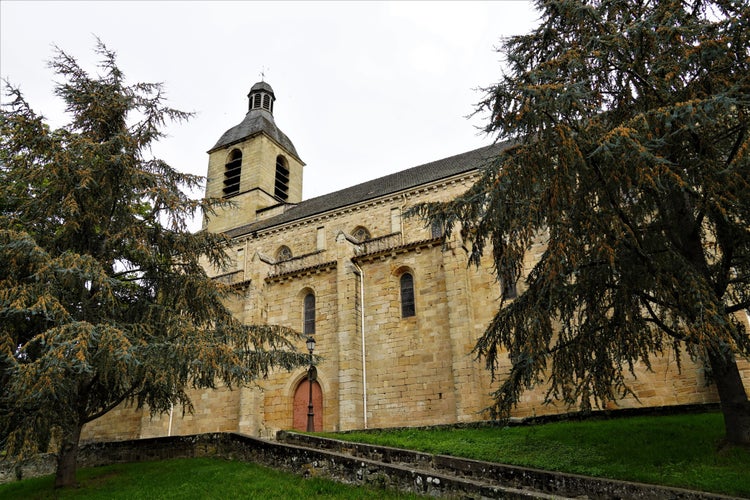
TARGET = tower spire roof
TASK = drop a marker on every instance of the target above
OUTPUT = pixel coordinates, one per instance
(259, 119)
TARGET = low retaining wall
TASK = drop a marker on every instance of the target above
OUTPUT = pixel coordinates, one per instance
(552, 483)
(378, 466)
(304, 461)
(41, 465)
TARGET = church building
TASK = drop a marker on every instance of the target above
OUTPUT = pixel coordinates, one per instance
(393, 307)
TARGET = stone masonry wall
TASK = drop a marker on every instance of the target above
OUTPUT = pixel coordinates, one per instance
(419, 370)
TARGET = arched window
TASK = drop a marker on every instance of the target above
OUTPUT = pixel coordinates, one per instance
(232, 172)
(281, 189)
(267, 102)
(508, 282)
(509, 289)
(283, 253)
(407, 296)
(361, 234)
(436, 229)
(308, 328)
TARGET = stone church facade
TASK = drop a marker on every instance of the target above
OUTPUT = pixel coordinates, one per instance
(393, 307)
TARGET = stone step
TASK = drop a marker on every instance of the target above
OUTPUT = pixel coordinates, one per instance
(544, 484)
(404, 476)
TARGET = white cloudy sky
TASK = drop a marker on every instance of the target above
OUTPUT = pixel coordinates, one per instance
(362, 89)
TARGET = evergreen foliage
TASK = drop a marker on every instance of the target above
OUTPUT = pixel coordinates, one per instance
(103, 295)
(631, 163)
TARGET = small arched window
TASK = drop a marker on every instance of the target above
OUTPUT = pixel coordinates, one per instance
(283, 253)
(308, 327)
(232, 171)
(267, 101)
(407, 296)
(361, 234)
(281, 188)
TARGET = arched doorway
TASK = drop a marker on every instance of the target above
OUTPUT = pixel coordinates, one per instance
(301, 402)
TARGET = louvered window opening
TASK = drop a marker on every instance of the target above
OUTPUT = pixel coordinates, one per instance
(232, 172)
(261, 101)
(281, 188)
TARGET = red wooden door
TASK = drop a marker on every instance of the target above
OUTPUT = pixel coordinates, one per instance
(301, 402)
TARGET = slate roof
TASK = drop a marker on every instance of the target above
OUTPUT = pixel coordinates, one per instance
(255, 121)
(262, 85)
(406, 179)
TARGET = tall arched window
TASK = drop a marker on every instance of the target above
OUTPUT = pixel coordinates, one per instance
(509, 286)
(232, 172)
(281, 189)
(436, 229)
(407, 295)
(308, 328)
(508, 280)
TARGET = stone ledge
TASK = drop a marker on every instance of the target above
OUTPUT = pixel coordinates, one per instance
(546, 482)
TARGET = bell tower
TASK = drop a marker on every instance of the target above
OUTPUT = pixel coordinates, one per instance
(254, 165)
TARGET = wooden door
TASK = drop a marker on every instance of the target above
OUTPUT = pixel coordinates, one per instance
(301, 403)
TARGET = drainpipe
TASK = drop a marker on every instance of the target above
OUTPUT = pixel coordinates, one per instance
(361, 274)
(171, 410)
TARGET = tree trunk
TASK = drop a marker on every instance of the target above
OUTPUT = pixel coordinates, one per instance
(67, 458)
(734, 402)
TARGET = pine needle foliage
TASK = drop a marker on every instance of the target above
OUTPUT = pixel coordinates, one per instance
(631, 164)
(103, 296)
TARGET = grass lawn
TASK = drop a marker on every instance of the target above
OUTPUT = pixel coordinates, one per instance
(677, 450)
(198, 478)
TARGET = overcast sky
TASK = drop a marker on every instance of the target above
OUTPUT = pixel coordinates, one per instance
(362, 89)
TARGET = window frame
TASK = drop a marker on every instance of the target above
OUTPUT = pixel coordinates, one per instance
(407, 296)
(308, 314)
